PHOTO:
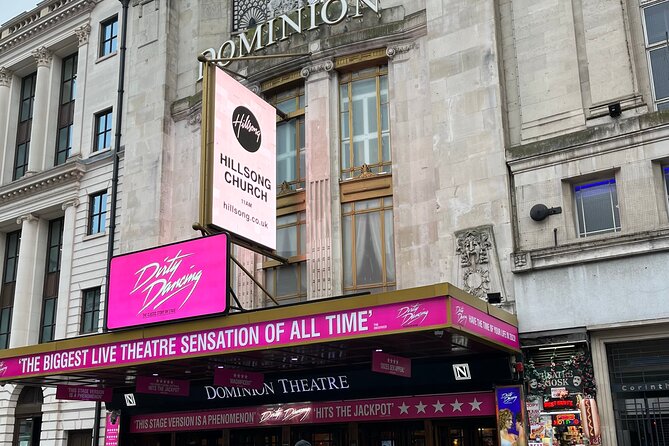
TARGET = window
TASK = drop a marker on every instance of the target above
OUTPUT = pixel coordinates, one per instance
(288, 283)
(97, 213)
(597, 207)
(11, 263)
(665, 171)
(365, 132)
(90, 312)
(368, 245)
(103, 130)
(24, 126)
(51, 280)
(656, 27)
(290, 151)
(68, 91)
(108, 36)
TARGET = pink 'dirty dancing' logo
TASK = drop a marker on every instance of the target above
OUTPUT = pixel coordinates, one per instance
(160, 282)
(462, 317)
(301, 413)
(412, 314)
(3, 368)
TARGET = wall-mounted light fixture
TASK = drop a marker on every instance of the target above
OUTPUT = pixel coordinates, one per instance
(615, 110)
(494, 298)
(541, 211)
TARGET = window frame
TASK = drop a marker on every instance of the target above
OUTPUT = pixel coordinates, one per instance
(66, 110)
(296, 93)
(348, 78)
(108, 116)
(105, 50)
(51, 281)
(24, 126)
(385, 284)
(101, 226)
(8, 287)
(96, 293)
(594, 182)
(659, 103)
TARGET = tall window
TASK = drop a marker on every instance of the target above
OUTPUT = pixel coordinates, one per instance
(656, 27)
(597, 207)
(290, 151)
(68, 91)
(51, 280)
(364, 127)
(11, 263)
(108, 36)
(97, 213)
(103, 130)
(368, 245)
(288, 283)
(90, 314)
(24, 126)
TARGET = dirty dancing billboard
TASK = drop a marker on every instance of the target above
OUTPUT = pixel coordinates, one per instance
(242, 160)
(176, 281)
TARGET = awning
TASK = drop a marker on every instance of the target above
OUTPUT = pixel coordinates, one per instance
(431, 321)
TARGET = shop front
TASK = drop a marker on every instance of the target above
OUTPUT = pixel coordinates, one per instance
(410, 367)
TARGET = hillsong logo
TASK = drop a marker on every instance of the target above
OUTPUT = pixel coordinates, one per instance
(246, 129)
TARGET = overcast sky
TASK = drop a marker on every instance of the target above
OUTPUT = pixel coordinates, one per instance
(11, 8)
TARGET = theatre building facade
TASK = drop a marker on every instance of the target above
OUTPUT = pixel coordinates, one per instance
(390, 186)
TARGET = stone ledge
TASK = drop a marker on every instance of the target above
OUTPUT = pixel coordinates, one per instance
(70, 172)
(591, 250)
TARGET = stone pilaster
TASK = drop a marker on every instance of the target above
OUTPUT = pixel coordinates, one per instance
(26, 313)
(5, 82)
(79, 149)
(43, 58)
(70, 208)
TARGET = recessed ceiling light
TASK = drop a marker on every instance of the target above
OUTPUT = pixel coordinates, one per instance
(187, 372)
(294, 358)
(155, 374)
(378, 350)
(221, 367)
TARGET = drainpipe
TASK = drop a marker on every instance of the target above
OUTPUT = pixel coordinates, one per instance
(114, 187)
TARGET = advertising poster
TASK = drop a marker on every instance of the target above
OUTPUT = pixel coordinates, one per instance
(176, 281)
(243, 163)
(112, 424)
(510, 420)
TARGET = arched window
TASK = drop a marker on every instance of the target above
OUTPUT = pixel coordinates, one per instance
(28, 414)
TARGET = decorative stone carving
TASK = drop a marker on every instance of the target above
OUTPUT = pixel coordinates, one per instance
(42, 56)
(195, 118)
(83, 33)
(27, 217)
(5, 77)
(474, 247)
(70, 203)
(327, 65)
(393, 51)
(520, 259)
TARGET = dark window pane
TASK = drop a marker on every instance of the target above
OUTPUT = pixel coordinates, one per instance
(659, 62)
(657, 22)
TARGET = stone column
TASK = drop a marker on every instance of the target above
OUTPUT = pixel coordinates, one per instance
(5, 82)
(319, 189)
(70, 208)
(29, 283)
(43, 57)
(79, 148)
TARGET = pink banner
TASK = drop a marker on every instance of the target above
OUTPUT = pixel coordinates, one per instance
(473, 320)
(112, 425)
(382, 319)
(83, 393)
(238, 378)
(162, 386)
(391, 364)
(172, 282)
(382, 409)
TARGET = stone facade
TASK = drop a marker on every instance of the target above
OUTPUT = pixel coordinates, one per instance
(494, 107)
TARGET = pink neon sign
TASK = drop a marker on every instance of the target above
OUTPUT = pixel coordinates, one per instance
(473, 320)
(382, 409)
(171, 282)
(323, 327)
